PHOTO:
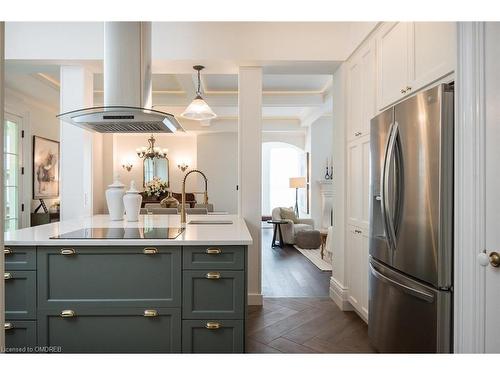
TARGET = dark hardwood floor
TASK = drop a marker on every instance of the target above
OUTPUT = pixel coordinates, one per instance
(287, 273)
(305, 325)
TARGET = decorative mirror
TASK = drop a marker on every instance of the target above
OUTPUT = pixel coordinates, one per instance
(155, 162)
(156, 167)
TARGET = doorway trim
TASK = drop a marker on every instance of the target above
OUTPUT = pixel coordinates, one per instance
(469, 295)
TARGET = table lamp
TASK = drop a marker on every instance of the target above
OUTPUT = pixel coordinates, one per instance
(297, 183)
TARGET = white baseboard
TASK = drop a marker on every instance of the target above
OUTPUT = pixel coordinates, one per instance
(339, 294)
(254, 299)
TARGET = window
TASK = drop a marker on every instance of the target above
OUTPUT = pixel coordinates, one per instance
(12, 171)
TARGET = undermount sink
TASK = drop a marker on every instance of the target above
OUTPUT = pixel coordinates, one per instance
(215, 222)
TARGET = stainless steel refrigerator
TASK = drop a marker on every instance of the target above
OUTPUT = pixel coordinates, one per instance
(411, 225)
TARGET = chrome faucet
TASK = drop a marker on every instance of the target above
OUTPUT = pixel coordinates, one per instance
(183, 202)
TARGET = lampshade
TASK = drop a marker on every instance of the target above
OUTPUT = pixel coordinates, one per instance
(297, 182)
(198, 110)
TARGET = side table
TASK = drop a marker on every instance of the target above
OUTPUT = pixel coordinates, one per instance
(277, 228)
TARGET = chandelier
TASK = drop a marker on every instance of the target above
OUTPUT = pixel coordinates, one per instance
(152, 151)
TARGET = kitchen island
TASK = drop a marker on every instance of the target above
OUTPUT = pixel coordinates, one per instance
(129, 290)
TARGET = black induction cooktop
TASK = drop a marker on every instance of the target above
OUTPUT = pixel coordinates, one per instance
(121, 233)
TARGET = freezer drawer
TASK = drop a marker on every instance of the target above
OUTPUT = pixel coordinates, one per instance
(407, 316)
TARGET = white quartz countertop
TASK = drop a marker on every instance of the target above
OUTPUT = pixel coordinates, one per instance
(195, 234)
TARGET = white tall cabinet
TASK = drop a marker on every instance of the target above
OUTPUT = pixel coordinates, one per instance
(397, 60)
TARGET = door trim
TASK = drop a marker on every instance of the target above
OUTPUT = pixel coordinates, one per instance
(469, 237)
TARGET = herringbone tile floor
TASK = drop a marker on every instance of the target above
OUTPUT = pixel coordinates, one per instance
(305, 325)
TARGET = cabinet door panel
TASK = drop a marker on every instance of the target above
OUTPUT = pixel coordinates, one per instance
(355, 99)
(197, 338)
(355, 268)
(20, 258)
(218, 257)
(206, 298)
(432, 55)
(354, 183)
(109, 276)
(20, 295)
(392, 62)
(369, 77)
(124, 330)
(20, 336)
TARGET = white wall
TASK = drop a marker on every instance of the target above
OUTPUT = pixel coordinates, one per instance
(179, 146)
(319, 142)
(38, 120)
(218, 159)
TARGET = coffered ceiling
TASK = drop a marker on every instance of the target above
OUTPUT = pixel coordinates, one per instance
(290, 100)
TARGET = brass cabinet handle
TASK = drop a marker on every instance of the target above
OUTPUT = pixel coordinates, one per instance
(213, 275)
(403, 91)
(408, 88)
(7, 251)
(68, 251)
(150, 313)
(7, 276)
(494, 259)
(213, 250)
(67, 314)
(8, 325)
(357, 134)
(150, 250)
(212, 325)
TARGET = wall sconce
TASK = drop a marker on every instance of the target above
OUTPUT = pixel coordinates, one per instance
(127, 165)
(183, 166)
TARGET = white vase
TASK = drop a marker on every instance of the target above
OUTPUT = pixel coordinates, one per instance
(114, 199)
(132, 201)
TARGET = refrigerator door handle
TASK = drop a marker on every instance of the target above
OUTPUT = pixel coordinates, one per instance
(384, 189)
(414, 292)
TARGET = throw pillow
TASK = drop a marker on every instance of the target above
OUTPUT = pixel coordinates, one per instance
(288, 214)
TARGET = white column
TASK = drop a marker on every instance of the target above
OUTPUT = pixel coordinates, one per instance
(2, 307)
(338, 281)
(76, 178)
(250, 155)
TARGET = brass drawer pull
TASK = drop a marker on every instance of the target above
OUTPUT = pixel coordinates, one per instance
(213, 250)
(8, 326)
(150, 313)
(7, 276)
(67, 314)
(7, 251)
(150, 250)
(213, 275)
(68, 251)
(212, 325)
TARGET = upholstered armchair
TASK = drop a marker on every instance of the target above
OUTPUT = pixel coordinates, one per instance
(290, 229)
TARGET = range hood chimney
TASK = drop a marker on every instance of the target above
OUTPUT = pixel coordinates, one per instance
(127, 86)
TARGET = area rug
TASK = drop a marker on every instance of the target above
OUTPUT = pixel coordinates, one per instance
(314, 255)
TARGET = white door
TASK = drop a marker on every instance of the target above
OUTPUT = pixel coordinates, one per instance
(355, 97)
(13, 167)
(392, 52)
(492, 154)
(432, 52)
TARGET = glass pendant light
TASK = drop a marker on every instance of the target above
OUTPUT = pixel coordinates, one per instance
(198, 109)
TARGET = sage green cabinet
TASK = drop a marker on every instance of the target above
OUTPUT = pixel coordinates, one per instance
(20, 258)
(212, 336)
(213, 294)
(20, 295)
(213, 257)
(109, 330)
(20, 336)
(109, 277)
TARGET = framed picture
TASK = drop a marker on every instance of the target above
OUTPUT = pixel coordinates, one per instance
(45, 168)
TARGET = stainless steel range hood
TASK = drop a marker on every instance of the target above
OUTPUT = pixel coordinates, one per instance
(127, 86)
